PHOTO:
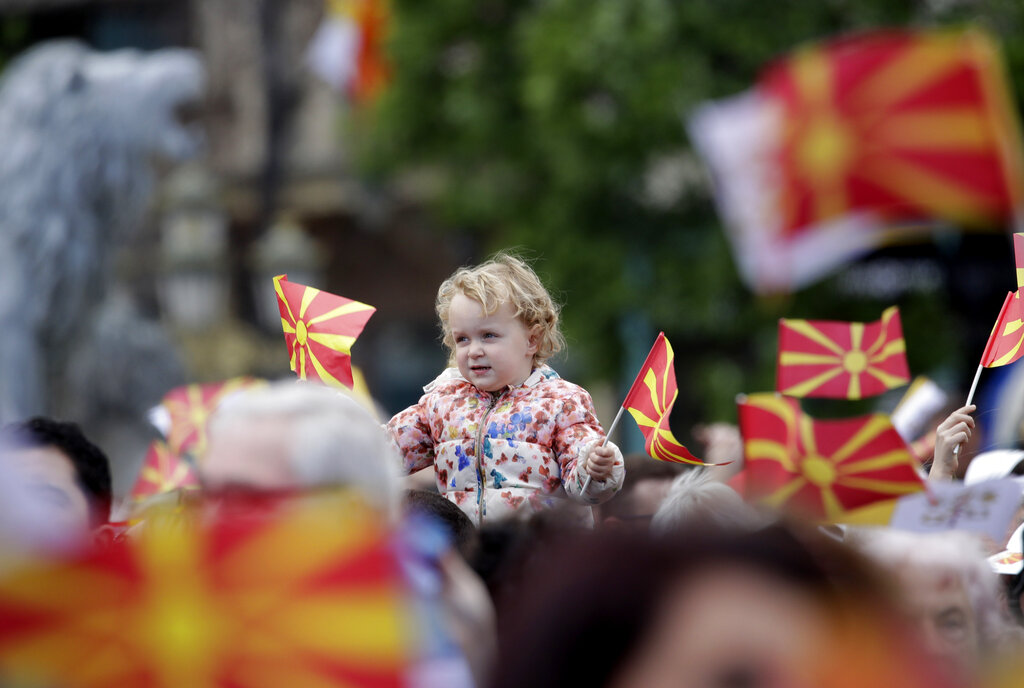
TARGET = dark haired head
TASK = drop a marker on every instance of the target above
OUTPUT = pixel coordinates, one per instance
(640, 469)
(608, 589)
(92, 468)
(459, 526)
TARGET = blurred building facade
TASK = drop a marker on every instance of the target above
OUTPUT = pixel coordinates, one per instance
(272, 194)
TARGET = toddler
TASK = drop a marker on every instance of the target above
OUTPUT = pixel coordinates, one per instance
(505, 434)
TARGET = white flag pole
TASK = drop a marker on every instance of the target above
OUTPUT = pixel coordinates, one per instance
(970, 398)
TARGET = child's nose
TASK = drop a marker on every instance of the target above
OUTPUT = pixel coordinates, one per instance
(475, 348)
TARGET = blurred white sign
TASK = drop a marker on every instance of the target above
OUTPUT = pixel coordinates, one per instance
(984, 508)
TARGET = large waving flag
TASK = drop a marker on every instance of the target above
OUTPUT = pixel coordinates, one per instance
(1004, 343)
(347, 50)
(821, 468)
(295, 598)
(841, 360)
(650, 402)
(845, 143)
(319, 329)
(163, 471)
(184, 413)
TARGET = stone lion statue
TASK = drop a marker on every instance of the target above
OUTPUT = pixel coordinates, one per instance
(80, 133)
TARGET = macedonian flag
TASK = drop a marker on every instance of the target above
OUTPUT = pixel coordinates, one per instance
(846, 144)
(907, 124)
(821, 468)
(319, 329)
(296, 598)
(163, 471)
(1004, 343)
(184, 412)
(841, 360)
(650, 402)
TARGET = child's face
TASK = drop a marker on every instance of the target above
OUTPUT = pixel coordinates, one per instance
(492, 351)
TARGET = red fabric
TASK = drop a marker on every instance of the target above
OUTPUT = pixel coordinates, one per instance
(821, 468)
(841, 360)
(650, 402)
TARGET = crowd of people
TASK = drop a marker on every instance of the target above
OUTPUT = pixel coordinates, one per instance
(561, 562)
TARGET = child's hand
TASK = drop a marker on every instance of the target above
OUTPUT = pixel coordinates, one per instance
(600, 461)
(951, 433)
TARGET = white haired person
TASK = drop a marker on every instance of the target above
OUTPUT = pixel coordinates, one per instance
(951, 593)
(696, 498)
(302, 437)
(299, 436)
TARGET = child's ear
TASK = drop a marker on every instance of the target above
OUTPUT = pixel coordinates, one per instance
(534, 340)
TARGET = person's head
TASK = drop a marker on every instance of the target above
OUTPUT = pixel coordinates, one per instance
(949, 591)
(646, 484)
(298, 436)
(694, 498)
(698, 609)
(64, 470)
(498, 321)
(454, 519)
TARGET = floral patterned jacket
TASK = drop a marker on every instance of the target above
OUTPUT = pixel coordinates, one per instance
(505, 455)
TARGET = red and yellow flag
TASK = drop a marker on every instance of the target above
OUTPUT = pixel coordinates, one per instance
(1004, 343)
(319, 329)
(348, 49)
(188, 410)
(821, 468)
(163, 471)
(906, 124)
(650, 402)
(373, 70)
(841, 360)
(295, 598)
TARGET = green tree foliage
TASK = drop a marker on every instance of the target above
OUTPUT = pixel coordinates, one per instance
(543, 124)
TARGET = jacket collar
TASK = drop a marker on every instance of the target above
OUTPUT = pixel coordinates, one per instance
(544, 372)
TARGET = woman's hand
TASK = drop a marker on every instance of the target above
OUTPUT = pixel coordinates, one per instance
(953, 432)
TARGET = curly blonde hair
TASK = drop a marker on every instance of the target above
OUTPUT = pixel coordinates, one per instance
(504, 277)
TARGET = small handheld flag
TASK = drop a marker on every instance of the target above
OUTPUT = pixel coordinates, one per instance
(841, 360)
(319, 329)
(163, 471)
(821, 468)
(1004, 343)
(184, 412)
(650, 402)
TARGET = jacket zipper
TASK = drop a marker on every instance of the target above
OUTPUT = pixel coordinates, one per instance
(481, 478)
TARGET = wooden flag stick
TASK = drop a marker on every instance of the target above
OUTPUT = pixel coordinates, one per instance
(611, 429)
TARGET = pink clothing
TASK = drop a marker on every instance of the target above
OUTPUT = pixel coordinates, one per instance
(508, 454)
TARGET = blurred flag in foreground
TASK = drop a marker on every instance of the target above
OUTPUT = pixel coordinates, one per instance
(347, 50)
(841, 360)
(298, 598)
(163, 471)
(650, 402)
(842, 141)
(184, 412)
(320, 329)
(821, 469)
